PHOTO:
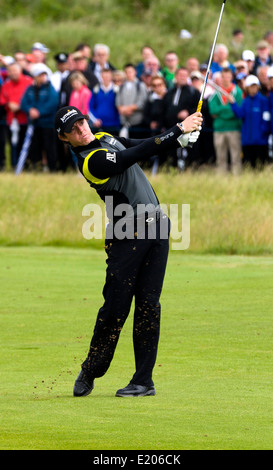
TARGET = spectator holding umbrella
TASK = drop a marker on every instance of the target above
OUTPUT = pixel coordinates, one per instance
(40, 102)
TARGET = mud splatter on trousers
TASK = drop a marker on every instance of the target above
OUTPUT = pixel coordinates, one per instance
(135, 269)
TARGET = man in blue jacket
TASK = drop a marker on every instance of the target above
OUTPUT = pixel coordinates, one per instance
(103, 111)
(270, 77)
(40, 102)
(255, 115)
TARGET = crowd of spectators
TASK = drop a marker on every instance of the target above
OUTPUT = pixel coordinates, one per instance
(139, 101)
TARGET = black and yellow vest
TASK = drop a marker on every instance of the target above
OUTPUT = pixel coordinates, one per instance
(130, 187)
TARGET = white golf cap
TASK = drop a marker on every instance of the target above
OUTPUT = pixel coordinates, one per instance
(38, 69)
(8, 60)
(270, 72)
(41, 47)
(196, 74)
(248, 55)
(251, 80)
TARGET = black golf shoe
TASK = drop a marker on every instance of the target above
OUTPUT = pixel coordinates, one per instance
(83, 385)
(133, 390)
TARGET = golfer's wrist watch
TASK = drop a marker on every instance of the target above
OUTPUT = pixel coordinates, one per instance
(181, 127)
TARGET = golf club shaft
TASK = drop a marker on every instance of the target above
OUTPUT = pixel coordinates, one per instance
(200, 104)
(216, 87)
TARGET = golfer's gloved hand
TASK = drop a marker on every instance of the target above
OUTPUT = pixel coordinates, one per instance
(188, 139)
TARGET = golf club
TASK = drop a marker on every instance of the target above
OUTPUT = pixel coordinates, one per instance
(200, 104)
(199, 107)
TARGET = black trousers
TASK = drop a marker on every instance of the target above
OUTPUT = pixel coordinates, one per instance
(255, 155)
(135, 268)
(43, 140)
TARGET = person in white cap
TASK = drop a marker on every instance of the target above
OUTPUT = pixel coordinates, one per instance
(255, 115)
(40, 102)
(39, 53)
(249, 57)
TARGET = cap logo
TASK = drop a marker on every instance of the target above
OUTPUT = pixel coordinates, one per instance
(68, 115)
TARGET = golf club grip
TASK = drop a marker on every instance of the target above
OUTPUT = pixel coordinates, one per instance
(199, 107)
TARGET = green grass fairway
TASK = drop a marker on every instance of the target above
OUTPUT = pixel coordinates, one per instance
(213, 375)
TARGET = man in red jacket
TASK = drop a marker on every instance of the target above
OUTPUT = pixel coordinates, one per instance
(10, 96)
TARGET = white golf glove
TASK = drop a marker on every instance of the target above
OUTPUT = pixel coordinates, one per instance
(188, 139)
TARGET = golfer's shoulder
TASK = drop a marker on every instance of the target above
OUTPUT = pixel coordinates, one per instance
(91, 162)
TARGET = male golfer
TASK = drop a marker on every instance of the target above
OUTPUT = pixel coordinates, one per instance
(136, 244)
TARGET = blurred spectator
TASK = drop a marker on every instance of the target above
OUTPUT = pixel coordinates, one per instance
(153, 110)
(152, 66)
(226, 126)
(263, 56)
(196, 80)
(220, 59)
(270, 98)
(130, 101)
(3, 133)
(236, 45)
(5, 61)
(241, 72)
(81, 94)
(85, 49)
(21, 59)
(217, 78)
(103, 112)
(146, 52)
(205, 141)
(255, 114)
(64, 158)
(171, 64)
(192, 65)
(269, 38)
(240, 81)
(10, 97)
(29, 63)
(203, 70)
(100, 60)
(39, 54)
(249, 57)
(240, 67)
(40, 102)
(81, 65)
(153, 116)
(77, 62)
(180, 101)
(62, 71)
(270, 78)
(146, 78)
(118, 77)
(263, 79)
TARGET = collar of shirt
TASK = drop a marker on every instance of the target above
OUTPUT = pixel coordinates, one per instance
(92, 145)
(107, 89)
